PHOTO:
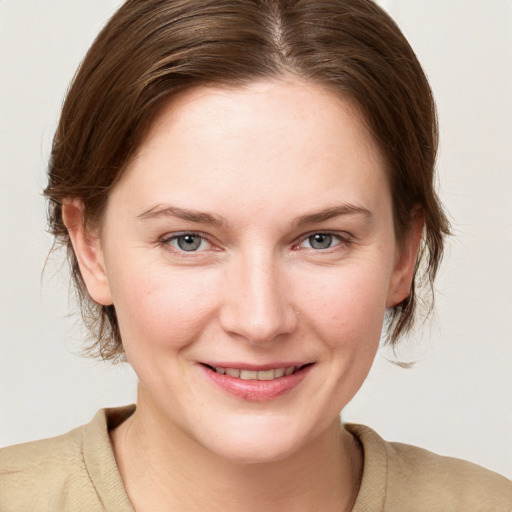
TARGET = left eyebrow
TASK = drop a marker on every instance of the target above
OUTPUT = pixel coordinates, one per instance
(332, 212)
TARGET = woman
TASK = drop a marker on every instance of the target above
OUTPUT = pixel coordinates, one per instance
(246, 192)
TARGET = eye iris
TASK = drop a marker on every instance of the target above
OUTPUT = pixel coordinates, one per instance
(188, 242)
(320, 241)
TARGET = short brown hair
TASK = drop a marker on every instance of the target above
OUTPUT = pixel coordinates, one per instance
(152, 50)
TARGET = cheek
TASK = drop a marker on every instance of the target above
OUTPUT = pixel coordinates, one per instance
(160, 309)
(347, 307)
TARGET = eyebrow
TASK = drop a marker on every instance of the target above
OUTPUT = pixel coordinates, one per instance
(182, 213)
(331, 213)
(199, 217)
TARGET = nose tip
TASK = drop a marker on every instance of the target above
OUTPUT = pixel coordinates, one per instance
(258, 306)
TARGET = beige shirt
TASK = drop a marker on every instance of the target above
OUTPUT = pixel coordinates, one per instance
(77, 472)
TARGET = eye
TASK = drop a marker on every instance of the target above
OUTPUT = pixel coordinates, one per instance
(322, 241)
(187, 242)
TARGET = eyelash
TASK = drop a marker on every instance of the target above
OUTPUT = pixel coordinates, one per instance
(166, 242)
(343, 240)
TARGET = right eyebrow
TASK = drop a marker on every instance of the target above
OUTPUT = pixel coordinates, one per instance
(162, 210)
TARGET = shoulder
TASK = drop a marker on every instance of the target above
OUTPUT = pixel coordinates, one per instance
(437, 479)
(29, 457)
(419, 480)
(67, 472)
(33, 476)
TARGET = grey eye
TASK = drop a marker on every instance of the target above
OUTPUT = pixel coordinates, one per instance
(189, 242)
(320, 241)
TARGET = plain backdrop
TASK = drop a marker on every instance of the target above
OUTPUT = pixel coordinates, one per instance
(457, 399)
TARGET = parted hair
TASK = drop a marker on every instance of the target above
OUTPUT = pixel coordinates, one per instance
(152, 50)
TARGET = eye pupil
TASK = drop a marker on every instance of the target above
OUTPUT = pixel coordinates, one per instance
(188, 242)
(320, 240)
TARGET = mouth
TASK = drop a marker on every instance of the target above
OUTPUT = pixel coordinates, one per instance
(265, 375)
(256, 384)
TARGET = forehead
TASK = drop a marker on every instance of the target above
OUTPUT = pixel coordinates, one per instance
(268, 141)
(276, 108)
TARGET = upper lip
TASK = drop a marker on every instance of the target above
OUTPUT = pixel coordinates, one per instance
(255, 367)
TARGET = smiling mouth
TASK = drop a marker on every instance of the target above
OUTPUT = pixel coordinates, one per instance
(265, 375)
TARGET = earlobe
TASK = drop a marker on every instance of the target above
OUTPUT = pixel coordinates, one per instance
(403, 272)
(88, 252)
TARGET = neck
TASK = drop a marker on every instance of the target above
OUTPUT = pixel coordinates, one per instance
(322, 475)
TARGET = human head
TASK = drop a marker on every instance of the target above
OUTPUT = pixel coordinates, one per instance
(153, 50)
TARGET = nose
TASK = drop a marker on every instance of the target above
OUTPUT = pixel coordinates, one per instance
(257, 303)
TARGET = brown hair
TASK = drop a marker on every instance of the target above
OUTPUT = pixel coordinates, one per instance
(151, 50)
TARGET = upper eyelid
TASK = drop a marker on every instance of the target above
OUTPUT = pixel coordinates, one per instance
(327, 232)
(177, 234)
(344, 235)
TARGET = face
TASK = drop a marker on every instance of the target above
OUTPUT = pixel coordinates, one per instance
(250, 254)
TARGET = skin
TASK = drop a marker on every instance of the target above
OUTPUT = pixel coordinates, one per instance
(261, 160)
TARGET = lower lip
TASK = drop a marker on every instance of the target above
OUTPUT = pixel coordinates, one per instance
(257, 390)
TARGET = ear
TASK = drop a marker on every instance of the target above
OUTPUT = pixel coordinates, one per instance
(88, 252)
(403, 272)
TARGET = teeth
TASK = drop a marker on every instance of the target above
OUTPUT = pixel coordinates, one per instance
(279, 372)
(248, 375)
(256, 375)
(233, 372)
(266, 375)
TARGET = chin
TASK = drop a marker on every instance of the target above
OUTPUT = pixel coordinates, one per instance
(265, 452)
(257, 441)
